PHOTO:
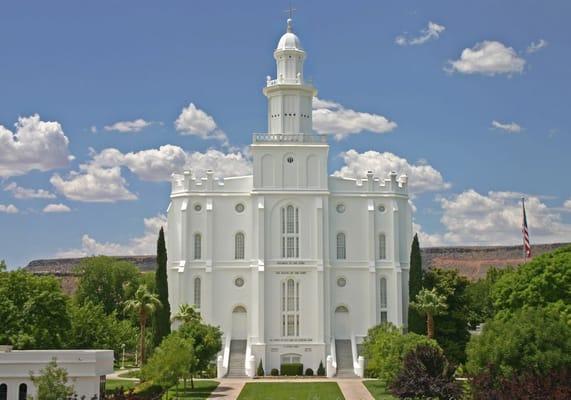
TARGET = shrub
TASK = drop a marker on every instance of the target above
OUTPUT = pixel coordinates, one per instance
(426, 374)
(260, 370)
(293, 369)
(274, 372)
(309, 372)
(320, 369)
(385, 348)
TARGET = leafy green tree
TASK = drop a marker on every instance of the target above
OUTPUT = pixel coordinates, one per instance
(33, 311)
(143, 305)
(430, 304)
(260, 369)
(530, 339)
(51, 383)
(162, 323)
(385, 347)
(480, 306)
(416, 323)
(3, 266)
(106, 281)
(186, 314)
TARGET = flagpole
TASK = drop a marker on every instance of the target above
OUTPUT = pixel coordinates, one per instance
(522, 228)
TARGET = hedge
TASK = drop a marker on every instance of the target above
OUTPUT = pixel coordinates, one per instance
(294, 369)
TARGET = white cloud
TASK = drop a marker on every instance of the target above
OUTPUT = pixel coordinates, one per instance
(193, 121)
(332, 118)
(223, 164)
(34, 145)
(144, 244)
(495, 218)
(93, 129)
(427, 239)
(488, 58)
(432, 31)
(8, 209)
(567, 204)
(511, 127)
(56, 208)
(536, 46)
(22, 193)
(128, 126)
(422, 177)
(93, 184)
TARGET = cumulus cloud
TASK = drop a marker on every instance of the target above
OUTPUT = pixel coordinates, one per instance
(332, 118)
(488, 58)
(144, 244)
(56, 208)
(194, 121)
(128, 126)
(422, 177)
(511, 127)
(223, 164)
(567, 204)
(22, 193)
(536, 46)
(8, 209)
(34, 145)
(432, 31)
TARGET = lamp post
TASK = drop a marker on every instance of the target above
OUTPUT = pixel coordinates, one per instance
(123, 356)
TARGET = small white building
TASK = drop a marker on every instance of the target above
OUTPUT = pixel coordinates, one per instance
(294, 265)
(86, 371)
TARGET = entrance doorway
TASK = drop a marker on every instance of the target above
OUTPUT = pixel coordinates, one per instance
(342, 326)
(239, 323)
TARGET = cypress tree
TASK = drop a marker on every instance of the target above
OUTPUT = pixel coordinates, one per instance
(162, 316)
(416, 322)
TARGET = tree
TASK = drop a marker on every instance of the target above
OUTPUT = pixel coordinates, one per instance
(426, 374)
(162, 316)
(260, 370)
(186, 314)
(385, 347)
(106, 281)
(415, 321)
(430, 304)
(51, 383)
(479, 297)
(143, 305)
(3, 266)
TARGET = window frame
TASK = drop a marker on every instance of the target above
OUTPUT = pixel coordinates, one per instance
(197, 292)
(382, 246)
(383, 300)
(239, 248)
(197, 246)
(289, 231)
(290, 308)
(341, 248)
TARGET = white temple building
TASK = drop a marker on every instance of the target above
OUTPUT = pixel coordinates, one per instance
(294, 265)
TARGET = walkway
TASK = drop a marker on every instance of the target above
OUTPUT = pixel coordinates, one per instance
(229, 389)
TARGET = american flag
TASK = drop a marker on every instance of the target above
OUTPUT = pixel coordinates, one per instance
(526, 245)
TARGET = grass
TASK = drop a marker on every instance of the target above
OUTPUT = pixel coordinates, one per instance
(202, 390)
(131, 374)
(378, 389)
(112, 384)
(291, 391)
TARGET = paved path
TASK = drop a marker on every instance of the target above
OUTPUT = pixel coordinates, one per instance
(353, 389)
(229, 389)
(115, 374)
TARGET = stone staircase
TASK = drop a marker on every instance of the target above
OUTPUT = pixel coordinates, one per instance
(236, 365)
(344, 359)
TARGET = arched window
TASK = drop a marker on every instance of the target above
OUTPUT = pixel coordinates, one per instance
(290, 359)
(341, 249)
(197, 246)
(290, 232)
(343, 309)
(383, 299)
(239, 246)
(290, 308)
(3, 391)
(197, 292)
(382, 247)
(23, 392)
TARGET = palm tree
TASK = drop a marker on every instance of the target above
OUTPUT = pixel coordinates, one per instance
(186, 313)
(429, 303)
(143, 304)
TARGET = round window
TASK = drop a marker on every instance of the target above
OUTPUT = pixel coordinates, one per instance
(290, 159)
(381, 208)
(239, 208)
(341, 282)
(197, 207)
(340, 208)
(239, 281)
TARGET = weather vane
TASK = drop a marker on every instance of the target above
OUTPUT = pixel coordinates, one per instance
(290, 11)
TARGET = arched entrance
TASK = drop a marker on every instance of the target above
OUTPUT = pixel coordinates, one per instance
(342, 327)
(239, 323)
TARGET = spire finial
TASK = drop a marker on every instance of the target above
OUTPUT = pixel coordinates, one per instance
(289, 25)
(289, 20)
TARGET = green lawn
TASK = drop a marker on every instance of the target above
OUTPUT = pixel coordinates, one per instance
(202, 390)
(378, 389)
(291, 391)
(112, 384)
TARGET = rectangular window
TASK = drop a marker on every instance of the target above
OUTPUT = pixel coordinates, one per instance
(290, 308)
(289, 232)
(197, 246)
(382, 247)
(383, 300)
(384, 317)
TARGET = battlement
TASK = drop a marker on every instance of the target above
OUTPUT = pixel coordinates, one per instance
(370, 184)
(187, 182)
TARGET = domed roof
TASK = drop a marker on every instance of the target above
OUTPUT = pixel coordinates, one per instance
(289, 40)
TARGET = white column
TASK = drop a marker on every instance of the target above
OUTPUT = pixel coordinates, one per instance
(208, 292)
(372, 234)
(397, 276)
(258, 289)
(320, 320)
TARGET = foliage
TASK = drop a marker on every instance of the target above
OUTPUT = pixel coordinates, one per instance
(274, 372)
(531, 339)
(291, 369)
(308, 372)
(106, 281)
(143, 304)
(33, 311)
(451, 329)
(260, 370)
(544, 280)
(320, 369)
(479, 297)
(385, 347)
(426, 374)
(429, 303)
(553, 385)
(416, 323)
(51, 383)
(91, 328)
(3, 266)
(186, 314)
(162, 323)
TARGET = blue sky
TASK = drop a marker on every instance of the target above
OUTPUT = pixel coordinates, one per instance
(479, 93)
